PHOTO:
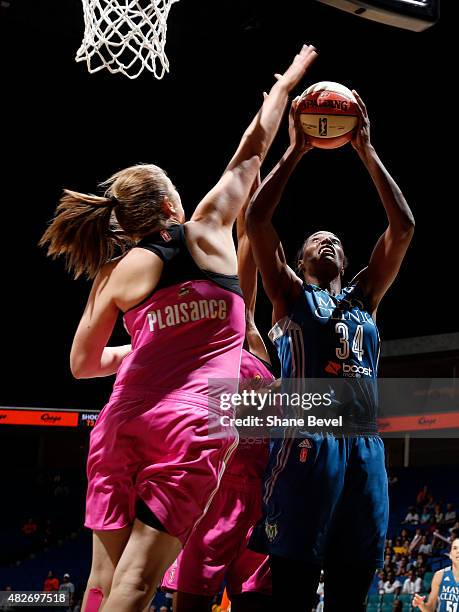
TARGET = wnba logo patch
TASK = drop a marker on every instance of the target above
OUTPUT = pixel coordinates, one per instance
(165, 235)
(304, 447)
(323, 126)
(271, 531)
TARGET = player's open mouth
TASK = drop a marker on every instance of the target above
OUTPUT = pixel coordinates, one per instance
(327, 251)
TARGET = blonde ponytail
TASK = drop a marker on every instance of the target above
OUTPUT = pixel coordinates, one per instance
(84, 231)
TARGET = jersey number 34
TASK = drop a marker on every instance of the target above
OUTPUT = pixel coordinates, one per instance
(342, 352)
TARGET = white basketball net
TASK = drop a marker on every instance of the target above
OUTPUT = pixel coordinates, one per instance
(125, 36)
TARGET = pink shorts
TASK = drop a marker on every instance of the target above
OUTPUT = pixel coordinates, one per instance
(158, 448)
(217, 548)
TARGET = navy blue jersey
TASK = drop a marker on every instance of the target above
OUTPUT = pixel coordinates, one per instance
(322, 492)
(329, 336)
(448, 595)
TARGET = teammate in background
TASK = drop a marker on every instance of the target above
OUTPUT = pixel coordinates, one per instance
(152, 467)
(217, 549)
(326, 494)
(444, 592)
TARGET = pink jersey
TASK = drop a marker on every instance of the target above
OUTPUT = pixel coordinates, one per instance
(182, 336)
(158, 438)
(251, 456)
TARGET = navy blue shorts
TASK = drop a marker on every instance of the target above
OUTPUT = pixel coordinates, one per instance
(325, 497)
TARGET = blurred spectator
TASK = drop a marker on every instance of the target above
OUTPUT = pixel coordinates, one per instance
(51, 583)
(426, 515)
(29, 528)
(425, 548)
(438, 515)
(398, 547)
(432, 526)
(402, 569)
(67, 587)
(164, 609)
(388, 563)
(404, 534)
(412, 517)
(413, 584)
(320, 594)
(416, 541)
(397, 606)
(169, 600)
(392, 585)
(423, 496)
(450, 515)
(382, 579)
(454, 528)
(7, 607)
(420, 565)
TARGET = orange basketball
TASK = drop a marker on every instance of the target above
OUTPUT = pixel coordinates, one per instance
(328, 114)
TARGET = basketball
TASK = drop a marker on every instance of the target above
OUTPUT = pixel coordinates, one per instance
(328, 114)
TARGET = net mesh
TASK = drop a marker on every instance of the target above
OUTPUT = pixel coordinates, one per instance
(125, 36)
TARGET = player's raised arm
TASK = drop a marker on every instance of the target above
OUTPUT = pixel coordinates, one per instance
(247, 272)
(392, 245)
(222, 204)
(280, 282)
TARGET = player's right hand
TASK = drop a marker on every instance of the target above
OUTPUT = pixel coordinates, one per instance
(418, 602)
(301, 62)
(298, 139)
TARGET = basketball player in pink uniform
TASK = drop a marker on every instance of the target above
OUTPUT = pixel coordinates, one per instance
(153, 468)
(217, 549)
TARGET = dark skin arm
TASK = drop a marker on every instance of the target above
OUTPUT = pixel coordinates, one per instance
(391, 247)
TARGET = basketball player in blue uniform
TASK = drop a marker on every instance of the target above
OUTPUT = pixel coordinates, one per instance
(325, 496)
(444, 593)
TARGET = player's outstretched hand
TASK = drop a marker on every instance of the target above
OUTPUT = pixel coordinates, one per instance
(361, 139)
(297, 69)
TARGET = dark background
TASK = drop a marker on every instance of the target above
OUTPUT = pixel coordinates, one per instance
(67, 128)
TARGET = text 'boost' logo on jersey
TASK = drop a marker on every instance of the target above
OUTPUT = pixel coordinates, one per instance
(348, 370)
(354, 371)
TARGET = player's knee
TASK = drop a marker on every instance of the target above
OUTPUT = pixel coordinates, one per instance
(132, 585)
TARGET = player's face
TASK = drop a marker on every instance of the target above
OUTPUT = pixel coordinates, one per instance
(454, 554)
(323, 249)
